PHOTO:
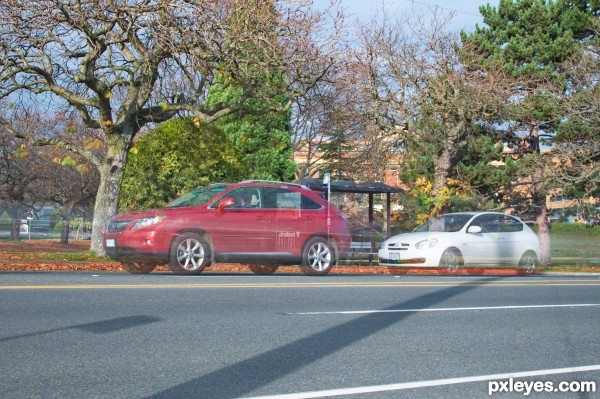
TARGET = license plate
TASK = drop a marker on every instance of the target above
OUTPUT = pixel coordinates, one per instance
(394, 255)
(110, 242)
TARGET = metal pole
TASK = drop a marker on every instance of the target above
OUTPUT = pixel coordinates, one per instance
(389, 215)
(371, 206)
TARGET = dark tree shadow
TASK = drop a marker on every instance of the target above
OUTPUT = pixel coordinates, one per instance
(98, 327)
(244, 377)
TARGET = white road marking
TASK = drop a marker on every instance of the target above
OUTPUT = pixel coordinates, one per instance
(424, 384)
(573, 305)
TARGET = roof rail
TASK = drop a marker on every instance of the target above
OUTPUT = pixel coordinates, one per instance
(272, 182)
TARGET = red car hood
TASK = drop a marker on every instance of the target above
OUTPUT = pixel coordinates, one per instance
(155, 212)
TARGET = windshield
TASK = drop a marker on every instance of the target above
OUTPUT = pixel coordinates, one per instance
(197, 197)
(448, 223)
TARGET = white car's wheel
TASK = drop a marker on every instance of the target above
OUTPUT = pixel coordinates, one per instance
(528, 262)
(452, 260)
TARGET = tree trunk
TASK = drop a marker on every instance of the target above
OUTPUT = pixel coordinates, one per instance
(66, 212)
(107, 198)
(543, 225)
(539, 202)
(444, 163)
(442, 169)
(15, 227)
(64, 231)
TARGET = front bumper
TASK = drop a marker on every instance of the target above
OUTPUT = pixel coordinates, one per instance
(408, 258)
(417, 262)
(118, 247)
(123, 253)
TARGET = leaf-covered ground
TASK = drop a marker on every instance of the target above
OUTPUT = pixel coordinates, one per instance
(48, 255)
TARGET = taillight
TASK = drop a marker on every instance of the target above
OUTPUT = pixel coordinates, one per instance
(343, 216)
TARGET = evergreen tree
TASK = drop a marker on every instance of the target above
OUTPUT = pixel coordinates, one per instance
(263, 140)
(530, 40)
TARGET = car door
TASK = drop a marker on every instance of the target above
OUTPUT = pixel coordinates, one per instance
(512, 244)
(285, 208)
(245, 227)
(484, 247)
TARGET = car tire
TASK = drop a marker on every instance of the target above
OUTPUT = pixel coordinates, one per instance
(451, 260)
(263, 269)
(189, 254)
(136, 266)
(318, 257)
(528, 262)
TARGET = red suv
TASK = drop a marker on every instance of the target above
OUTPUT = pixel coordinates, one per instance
(263, 224)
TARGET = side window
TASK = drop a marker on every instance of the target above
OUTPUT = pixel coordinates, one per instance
(280, 198)
(488, 223)
(509, 224)
(288, 200)
(269, 198)
(245, 197)
(308, 203)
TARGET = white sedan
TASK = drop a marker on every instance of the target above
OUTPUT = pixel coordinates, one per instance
(470, 238)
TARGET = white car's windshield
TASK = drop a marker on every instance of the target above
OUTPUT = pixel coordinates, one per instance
(197, 197)
(448, 223)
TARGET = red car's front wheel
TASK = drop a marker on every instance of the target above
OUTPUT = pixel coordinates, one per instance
(189, 254)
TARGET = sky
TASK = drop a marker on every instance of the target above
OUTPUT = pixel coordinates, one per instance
(466, 11)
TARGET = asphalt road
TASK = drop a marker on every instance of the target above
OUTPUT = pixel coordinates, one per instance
(113, 335)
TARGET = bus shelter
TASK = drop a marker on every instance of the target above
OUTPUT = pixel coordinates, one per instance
(345, 186)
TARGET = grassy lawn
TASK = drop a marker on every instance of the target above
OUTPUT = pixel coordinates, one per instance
(62, 256)
(575, 250)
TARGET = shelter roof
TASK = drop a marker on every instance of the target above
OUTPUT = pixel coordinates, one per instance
(345, 186)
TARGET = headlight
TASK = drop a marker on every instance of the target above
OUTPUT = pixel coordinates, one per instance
(426, 244)
(145, 222)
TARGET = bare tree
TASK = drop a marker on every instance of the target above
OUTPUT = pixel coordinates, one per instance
(14, 180)
(310, 129)
(32, 177)
(330, 128)
(423, 99)
(125, 64)
(70, 184)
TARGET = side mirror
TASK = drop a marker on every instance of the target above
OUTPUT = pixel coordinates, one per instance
(474, 229)
(225, 203)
